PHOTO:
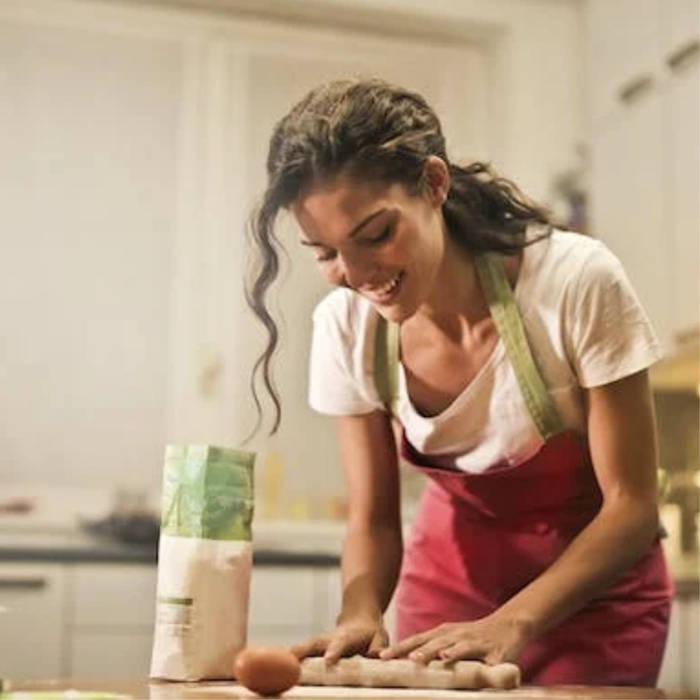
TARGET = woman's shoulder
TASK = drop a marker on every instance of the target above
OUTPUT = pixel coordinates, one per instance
(574, 248)
(566, 257)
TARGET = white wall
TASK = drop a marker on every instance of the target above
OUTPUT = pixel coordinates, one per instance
(537, 47)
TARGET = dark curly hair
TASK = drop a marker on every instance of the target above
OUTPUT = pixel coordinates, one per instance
(372, 130)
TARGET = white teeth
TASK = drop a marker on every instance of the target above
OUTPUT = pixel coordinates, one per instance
(388, 287)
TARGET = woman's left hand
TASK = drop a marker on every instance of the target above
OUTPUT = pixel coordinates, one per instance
(493, 639)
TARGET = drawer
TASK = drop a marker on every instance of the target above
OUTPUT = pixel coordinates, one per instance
(32, 598)
(125, 654)
(113, 595)
(281, 596)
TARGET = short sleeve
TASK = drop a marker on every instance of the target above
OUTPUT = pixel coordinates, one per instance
(335, 385)
(610, 334)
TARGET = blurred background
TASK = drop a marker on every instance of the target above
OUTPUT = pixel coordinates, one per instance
(133, 138)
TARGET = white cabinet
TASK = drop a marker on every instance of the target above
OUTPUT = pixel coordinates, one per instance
(628, 201)
(290, 604)
(618, 37)
(32, 615)
(683, 186)
(110, 619)
(680, 671)
(282, 605)
(117, 653)
(642, 86)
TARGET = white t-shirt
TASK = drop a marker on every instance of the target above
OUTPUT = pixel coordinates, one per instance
(585, 325)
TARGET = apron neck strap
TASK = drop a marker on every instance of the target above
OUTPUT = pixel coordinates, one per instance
(506, 316)
(386, 362)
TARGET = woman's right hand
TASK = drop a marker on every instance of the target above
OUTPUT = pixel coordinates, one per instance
(364, 636)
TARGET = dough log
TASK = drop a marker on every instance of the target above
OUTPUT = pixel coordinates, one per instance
(404, 673)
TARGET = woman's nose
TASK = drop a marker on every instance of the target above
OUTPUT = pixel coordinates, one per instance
(356, 270)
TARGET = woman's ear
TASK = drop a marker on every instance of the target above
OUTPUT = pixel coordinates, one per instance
(436, 179)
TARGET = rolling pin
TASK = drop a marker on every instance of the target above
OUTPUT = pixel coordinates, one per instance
(404, 673)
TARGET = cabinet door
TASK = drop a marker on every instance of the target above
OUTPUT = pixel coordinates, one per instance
(621, 45)
(629, 206)
(116, 653)
(113, 595)
(31, 620)
(690, 612)
(671, 674)
(282, 604)
(684, 188)
(110, 620)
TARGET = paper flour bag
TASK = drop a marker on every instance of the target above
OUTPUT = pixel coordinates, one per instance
(204, 562)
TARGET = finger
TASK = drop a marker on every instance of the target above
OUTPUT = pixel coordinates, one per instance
(379, 641)
(430, 650)
(404, 646)
(463, 650)
(344, 644)
(315, 646)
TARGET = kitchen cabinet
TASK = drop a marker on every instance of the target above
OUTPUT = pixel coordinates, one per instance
(289, 605)
(32, 620)
(642, 86)
(283, 606)
(109, 619)
(95, 621)
(680, 670)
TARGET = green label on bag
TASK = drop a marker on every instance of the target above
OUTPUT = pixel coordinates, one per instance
(207, 492)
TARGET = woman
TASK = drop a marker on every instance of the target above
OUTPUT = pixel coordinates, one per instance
(511, 359)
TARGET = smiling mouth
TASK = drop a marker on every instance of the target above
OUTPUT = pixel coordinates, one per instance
(386, 291)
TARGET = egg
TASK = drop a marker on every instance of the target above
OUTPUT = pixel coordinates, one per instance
(267, 670)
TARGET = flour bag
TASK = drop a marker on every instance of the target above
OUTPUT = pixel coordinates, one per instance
(205, 557)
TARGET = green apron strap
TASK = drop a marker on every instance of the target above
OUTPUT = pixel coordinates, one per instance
(505, 314)
(504, 311)
(386, 362)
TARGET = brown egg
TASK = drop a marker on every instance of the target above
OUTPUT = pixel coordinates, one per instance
(267, 670)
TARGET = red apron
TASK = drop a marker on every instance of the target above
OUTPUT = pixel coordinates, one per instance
(480, 538)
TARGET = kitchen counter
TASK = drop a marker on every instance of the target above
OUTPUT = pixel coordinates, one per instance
(283, 543)
(224, 689)
(82, 547)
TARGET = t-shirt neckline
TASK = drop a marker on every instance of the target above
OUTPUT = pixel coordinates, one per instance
(496, 355)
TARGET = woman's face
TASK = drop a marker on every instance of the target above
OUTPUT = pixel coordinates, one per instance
(376, 239)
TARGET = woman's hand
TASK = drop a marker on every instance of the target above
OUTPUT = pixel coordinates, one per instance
(493, 639)
(366, 636)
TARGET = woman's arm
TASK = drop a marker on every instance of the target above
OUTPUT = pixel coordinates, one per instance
(622, 440)
(372, 549)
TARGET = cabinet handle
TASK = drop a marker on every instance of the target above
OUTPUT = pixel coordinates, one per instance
(22, 582)
(678, 57)
(635, 87)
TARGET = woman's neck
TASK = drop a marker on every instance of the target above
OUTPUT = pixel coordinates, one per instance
(456, 303)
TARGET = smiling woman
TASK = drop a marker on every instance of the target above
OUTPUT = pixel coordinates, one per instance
(375, 154)
(504, 358)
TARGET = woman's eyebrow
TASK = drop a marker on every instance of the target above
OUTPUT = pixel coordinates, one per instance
(365, 221)
(352, 233)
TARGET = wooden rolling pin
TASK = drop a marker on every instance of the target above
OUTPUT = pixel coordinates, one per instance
(404, 673)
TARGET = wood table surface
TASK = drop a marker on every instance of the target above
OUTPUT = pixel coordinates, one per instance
(143, 688)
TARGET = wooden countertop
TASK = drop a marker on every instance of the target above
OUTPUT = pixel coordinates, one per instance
(220, 690)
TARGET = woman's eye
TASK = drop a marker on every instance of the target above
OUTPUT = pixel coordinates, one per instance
(325, 255)
(383, 236)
